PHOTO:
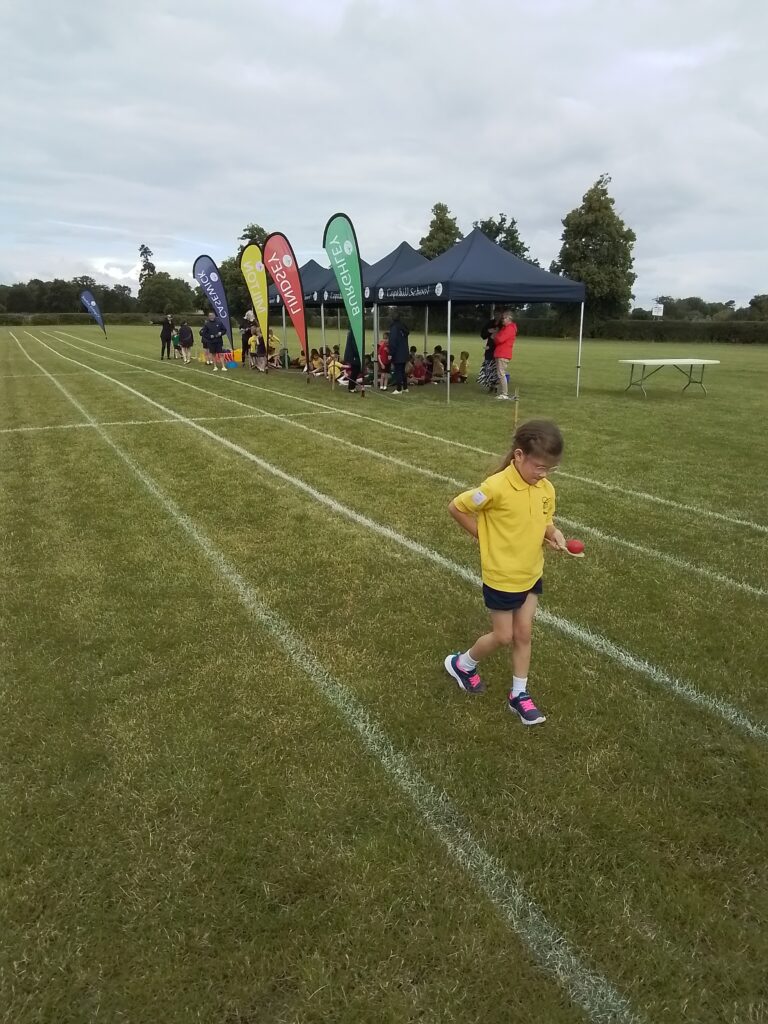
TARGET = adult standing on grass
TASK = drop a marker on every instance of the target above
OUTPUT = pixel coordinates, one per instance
(166, 334)
(504, 342)
(186, 340)
(212, 334)
(511, 514)
(398, 354)
(352, 361)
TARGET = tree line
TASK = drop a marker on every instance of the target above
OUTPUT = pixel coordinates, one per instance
(597, 247)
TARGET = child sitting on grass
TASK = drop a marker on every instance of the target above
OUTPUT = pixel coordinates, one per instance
(463, 360)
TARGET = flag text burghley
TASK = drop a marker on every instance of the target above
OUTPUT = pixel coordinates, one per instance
(280, 277)
(340, 261)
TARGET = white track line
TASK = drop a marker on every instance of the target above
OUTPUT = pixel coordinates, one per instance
(73, 373)
(729, 713)
(280, 417)
(663, 556)
(615, 488)
(600, 1001)
(123, 423)
(673, 560)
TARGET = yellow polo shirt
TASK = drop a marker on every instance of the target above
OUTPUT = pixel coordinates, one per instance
(512, 517)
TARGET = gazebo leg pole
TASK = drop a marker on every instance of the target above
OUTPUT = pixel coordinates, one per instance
(448, 367)
(322, 332)
(375, 346)
(426, 327)
(578, 357)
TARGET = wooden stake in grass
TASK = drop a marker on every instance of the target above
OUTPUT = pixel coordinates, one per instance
(517, 407)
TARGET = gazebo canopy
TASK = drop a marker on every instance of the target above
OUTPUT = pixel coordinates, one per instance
(475, 270)
(401, 260)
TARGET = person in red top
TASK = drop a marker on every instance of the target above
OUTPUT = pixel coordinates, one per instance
(384, 362)
(418, 374)
(504, 342)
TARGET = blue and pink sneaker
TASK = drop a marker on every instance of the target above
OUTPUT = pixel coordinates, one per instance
(524, 707)
(468, 681)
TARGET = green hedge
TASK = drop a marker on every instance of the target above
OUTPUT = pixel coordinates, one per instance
(744, 332)
(52, 319)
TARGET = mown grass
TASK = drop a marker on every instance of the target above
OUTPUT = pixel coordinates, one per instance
(191, 833)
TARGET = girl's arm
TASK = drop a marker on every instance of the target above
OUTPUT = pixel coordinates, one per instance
(466, 522)
(554, 538)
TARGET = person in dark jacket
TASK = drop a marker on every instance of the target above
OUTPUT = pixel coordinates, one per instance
(398, 354)
(212, 334)
(166, 333)
(186, 340)
(352, 361)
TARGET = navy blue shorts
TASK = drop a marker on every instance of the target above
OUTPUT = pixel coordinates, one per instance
(504, 601)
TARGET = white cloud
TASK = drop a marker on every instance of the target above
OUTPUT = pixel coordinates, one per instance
(177, 123)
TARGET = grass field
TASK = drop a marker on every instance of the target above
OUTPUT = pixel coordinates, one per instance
(237, 785)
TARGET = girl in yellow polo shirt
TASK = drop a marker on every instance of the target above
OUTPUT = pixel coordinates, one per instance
(512, 515)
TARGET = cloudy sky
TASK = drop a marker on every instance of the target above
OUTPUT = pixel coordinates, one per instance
(176, 123)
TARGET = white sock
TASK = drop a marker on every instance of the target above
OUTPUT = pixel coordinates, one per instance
(467, 664)
(518, 685)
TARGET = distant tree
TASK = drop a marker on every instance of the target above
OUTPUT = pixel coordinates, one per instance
(234, 285)
(117, 299)
(37, 292)
(443, 233)
(504, 232)
(758, 307)
(84, 282)
(252, 233)
(695, 308)
(148, 268)
(62, 297)
(597, 249)
(161, 293)
(638, 313)
(18, 299)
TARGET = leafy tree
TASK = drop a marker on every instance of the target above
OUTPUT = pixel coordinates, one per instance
(597, 249)
(84, 282)
(251, 233)
(62, 297)
(695, 308)
(758, 307)
(234, 285)
(504, 232)
(161, 293)
(148, 268)
(18, 299)
(117, 299)
(443, 232)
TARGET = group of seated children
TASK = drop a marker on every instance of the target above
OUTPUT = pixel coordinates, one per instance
(430, 369)
(422, 369)
(258, 355)
(327, 362)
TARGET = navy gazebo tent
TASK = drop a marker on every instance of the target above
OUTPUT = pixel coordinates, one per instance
(478, 270)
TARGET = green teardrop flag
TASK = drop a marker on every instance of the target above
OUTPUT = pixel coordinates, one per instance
(340, 243)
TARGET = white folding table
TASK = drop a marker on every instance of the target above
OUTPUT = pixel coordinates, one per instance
(684, 365)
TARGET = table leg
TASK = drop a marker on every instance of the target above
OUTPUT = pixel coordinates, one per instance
(692, 379)
(639, 382)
